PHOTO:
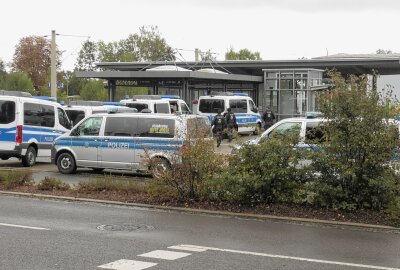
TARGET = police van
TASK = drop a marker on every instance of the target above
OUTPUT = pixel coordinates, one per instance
(28, 126)
(157, 104)
(247, 116)
(125, 142)
(77, 110)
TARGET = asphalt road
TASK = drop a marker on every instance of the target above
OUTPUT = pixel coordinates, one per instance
(65, 235)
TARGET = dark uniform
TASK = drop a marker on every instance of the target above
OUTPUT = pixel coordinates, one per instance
(219, 124)
(230, 123)
(268, 118)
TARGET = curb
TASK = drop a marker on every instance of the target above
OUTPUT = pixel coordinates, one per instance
(211, 212)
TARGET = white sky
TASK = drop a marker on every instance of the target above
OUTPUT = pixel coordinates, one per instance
(281, 29)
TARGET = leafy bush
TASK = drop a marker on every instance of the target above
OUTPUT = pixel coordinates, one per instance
(353, 169)
(267, 172)
(13, 179)
(51, 183)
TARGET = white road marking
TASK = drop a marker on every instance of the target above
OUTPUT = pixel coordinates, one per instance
(127, 265)
(291, 258)
(186, 248)
(165, 255)
(24, 227)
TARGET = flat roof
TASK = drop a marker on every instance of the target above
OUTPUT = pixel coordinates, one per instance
(356, 64)
(195, 75)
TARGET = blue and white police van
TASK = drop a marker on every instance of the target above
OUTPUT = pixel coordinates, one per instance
(125, 141)
(247, 116)
(28, 126)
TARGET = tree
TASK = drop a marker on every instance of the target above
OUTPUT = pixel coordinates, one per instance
(93, 90)
(207, 56)
(152, 46)
(32, 56)
(16, 81)
(382, 51)
(2, 66)
(243, 54)
(88, 55)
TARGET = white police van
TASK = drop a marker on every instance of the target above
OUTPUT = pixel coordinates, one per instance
(77, 110)
(247, 116)
(157, 104)
(124, 142)
(28, 126)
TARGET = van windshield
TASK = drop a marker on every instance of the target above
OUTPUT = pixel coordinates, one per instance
(211, 105)
(7, 111)
(75, 116)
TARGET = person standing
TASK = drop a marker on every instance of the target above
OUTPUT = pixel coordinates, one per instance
(231, 123)
(268, 118)
(219, 124)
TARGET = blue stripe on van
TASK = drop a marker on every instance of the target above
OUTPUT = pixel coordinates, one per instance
(8, 134)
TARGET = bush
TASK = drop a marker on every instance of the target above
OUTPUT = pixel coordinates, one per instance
(110, 184)
(267, 172)
(51, 183)
(13, 179)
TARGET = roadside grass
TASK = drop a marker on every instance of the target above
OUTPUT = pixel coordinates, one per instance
(10, 179)
(51, 183)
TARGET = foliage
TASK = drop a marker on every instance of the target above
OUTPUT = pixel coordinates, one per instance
(93, 90)
(16, 81)
(207, 56)
(51, 183)
(352, 169)
(32, 56)
(270, 171)
(243, 54)
(382, 51)
(12, 179)
(147, 45)
(111, 184)
(192, 165)
(2, 67)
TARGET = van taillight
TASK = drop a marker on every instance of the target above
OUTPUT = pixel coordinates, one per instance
(18, 136)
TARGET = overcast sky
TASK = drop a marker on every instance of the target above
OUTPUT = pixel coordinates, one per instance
(281, 29)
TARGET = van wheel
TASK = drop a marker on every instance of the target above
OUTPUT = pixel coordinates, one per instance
(159, 166)
(30, 157)
(4, 158)
(66, 163)
(257, 131)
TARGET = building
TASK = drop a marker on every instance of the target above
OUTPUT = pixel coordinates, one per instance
(290, 87)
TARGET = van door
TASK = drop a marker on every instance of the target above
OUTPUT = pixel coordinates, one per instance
(86, 140)
(118, 144)
(8, 124)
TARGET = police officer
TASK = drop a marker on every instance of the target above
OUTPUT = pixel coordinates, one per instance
(219, 124)
(268, 118)
(230, 123)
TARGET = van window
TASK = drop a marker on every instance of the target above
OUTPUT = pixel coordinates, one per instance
(75, 116)
(238, 105)
(138, 106)
(38, 115)
(161, 108)
(156, 127)
(7, 111)
(63, 119)
(286, 128)
(211, 105)
(90, 127)
(184, 108)
(119, 126)
(253, 107)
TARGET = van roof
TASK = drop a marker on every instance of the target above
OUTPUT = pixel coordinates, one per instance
(225, 97)
(152, 115)
(31, 100)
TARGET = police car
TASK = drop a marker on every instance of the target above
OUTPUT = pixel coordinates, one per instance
(28, 126)
(247, 116)
(77, 110)
(157, 104)
(124, 142)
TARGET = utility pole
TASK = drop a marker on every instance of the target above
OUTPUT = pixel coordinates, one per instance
(53, 80)
(196, 54)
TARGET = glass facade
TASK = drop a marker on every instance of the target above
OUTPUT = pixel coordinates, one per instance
(289, 93)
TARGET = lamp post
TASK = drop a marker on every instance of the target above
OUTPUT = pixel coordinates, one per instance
(67, 77)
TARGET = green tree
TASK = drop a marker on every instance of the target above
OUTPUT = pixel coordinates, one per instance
(207, 56)
(88, 56)
(93, 90)
(32, 56)
(152, 46)
(243, 54)
(2, 66)
(382, 51)
(360, 143)
(17, 81)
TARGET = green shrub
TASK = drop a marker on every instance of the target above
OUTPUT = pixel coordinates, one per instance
(51, 183)
(12, 179)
